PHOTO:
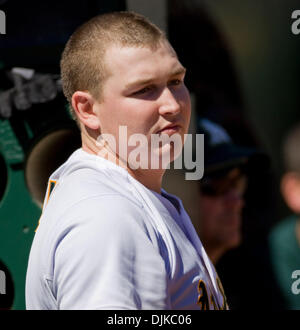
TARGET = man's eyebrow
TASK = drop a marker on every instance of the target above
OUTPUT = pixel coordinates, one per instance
(181, 70)
(140, 82)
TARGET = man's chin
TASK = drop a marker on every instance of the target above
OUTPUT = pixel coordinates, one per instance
(234, 241)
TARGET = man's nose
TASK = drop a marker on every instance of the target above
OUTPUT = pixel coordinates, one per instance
(234, 199)
(169, 105)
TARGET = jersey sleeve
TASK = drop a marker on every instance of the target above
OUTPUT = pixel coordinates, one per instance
(106, 258)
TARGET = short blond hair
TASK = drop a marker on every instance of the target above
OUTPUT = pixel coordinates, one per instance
(82, 62)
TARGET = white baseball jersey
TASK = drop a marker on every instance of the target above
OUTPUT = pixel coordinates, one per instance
(105, 241)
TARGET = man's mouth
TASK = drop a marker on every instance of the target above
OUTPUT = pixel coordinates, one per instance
(170, 129)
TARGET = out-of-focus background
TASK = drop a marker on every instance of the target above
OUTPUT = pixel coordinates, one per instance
(242, 61)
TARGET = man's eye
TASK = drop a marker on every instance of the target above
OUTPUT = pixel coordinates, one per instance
(142, 91)
(175, 82)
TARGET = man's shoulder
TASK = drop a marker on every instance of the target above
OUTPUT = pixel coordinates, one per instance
(86, 194)
(103, 213)
(85, 175)
(87, 183)
(282, 237)
(284, 227)
(102, 181)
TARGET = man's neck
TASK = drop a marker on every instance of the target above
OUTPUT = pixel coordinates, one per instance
(152, 179)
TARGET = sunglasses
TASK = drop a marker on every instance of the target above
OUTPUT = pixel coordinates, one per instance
(219, 185)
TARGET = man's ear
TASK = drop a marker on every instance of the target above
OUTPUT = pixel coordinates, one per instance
(290, 189)
(83, 104)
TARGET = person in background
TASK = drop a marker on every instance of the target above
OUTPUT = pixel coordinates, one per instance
(222, 201)
(234, 214)
(222, 189)
(284, 238)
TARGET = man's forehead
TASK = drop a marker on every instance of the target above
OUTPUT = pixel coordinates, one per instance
(145, 79)
(139, 65)
(116, 55)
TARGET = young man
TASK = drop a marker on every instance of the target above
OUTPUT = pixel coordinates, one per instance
(109, 237)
